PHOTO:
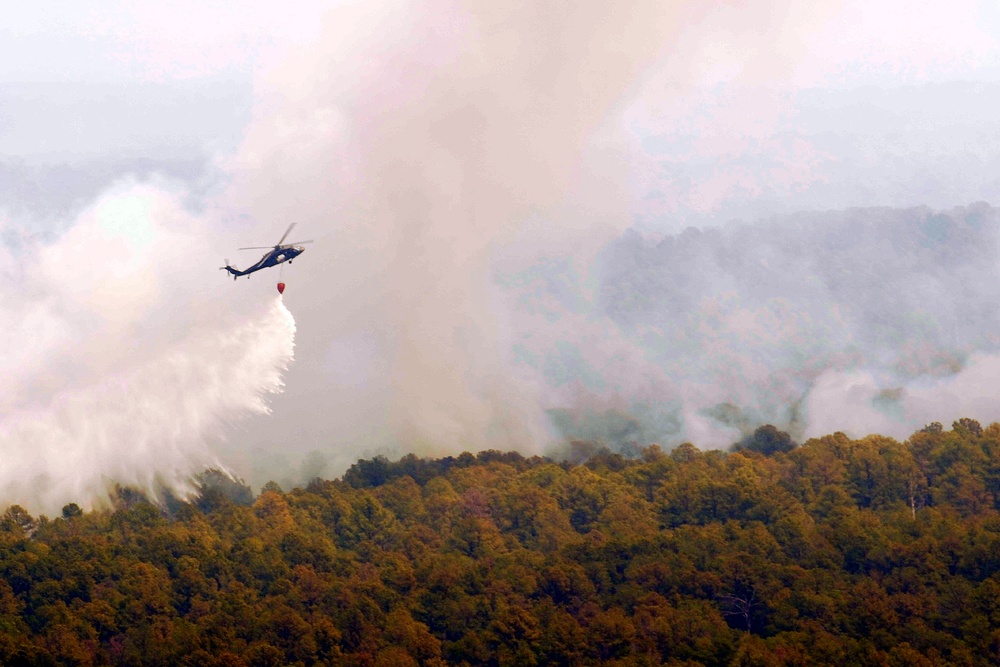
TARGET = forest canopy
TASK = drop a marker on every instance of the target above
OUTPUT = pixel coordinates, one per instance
(838, 551)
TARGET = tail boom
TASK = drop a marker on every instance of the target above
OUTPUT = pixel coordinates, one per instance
(236, 273)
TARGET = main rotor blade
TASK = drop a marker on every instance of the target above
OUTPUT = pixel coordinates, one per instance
(259, 247)
(285, 235)
(298, 242)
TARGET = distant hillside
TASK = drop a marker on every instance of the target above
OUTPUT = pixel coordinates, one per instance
(865, 320)
(849, 552)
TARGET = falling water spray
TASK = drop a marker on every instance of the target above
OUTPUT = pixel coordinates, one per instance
(150, 426)
(133, 369)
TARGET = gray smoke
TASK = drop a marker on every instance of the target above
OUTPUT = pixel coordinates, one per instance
(866, 320)
(474, 129)
(437, 165)
(462, 167)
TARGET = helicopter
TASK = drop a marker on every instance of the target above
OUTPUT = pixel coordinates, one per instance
(280, 252)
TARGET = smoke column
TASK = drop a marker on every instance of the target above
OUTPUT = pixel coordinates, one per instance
(436, 150)
(440, 144)
(434, 140)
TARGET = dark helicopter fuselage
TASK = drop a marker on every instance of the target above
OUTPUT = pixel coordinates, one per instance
(276, 256)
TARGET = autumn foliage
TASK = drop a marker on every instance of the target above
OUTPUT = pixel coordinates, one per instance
(839, 551)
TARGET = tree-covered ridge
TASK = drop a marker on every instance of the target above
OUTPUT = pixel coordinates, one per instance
(840, 551)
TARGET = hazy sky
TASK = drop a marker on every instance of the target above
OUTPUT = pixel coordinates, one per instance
(827, 105)
(145, 40)
(421, 143)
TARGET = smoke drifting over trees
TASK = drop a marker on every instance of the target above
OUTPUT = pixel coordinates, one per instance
(487, 124)
(870, 320)
(436, 150)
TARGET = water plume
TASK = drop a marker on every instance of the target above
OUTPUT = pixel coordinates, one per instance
(124, 366)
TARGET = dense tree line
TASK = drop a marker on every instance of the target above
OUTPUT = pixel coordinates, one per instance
(838, 551)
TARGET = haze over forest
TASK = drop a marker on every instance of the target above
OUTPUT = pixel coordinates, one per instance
(532, 224)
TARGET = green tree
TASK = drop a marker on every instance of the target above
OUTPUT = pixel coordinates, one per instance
(767, 440)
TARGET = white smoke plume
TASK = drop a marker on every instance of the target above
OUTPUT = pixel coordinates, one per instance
(438, 144)
(435, 140)
(429, 146)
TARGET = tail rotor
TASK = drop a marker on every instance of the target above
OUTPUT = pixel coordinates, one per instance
(228, 268)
